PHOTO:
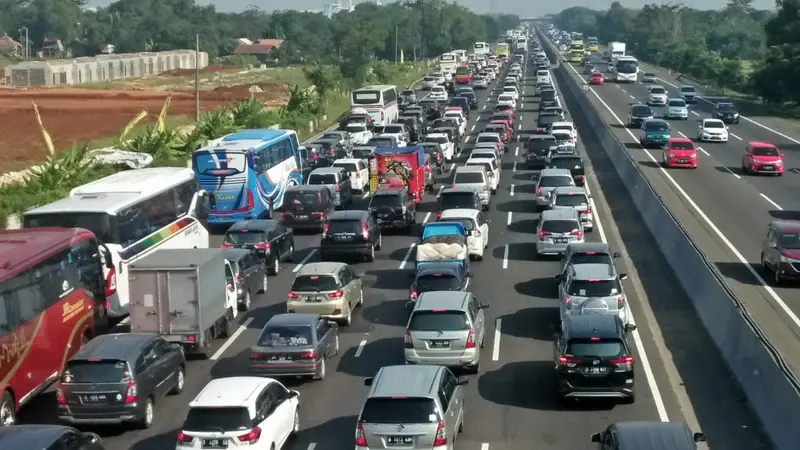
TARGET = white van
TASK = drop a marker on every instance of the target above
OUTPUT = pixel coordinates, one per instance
(543, 76)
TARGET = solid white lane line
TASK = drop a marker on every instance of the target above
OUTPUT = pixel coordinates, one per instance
(512, 190)
(737, 137)
(509, 218)
(496, 347)
(703, 150)
(770, 201)
(505, 257)
(427, 217)
(408, 255)
(360, 348)
(231, 339)
(305, 260)
(732, 173)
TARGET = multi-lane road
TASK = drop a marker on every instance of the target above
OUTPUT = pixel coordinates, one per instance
(510, 404)
(725, 210)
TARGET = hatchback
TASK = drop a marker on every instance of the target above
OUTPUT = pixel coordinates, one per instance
(538, 147)
(331, 289)
(592, 289)
(577, 199)
(269, 239)
(556, 229)
(676, 109)
(549, 180)
(680, 152)
(446, 328)
(491, 168)
(780, 250)
(762, 157)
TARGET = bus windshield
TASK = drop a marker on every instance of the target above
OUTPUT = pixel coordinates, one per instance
(627, 66)
(220, 163)
(365, 97)
(447, 57)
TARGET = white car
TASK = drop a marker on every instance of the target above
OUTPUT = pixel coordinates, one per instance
(440, 77)
(438, 93)
(507, 99)
(712, 130)
(398, 130)
(480, 82)
(510, 79)
(511, 90)
(395, 140)
(478, 226)
(458, 116)
(543, 77)
(358, 171)
(657, 95)
(487, 152)
(491, 167)
(448, 148)
(493, 138)
(360, 134)
(240, 400)
(565, 126)
(429, 83)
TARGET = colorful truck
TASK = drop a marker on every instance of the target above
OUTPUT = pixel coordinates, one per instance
(398, 167)
(443, 242)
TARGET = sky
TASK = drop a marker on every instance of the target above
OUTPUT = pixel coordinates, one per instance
(525, 8)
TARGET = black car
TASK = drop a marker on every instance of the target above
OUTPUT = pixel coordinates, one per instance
(393, 208)
(461, 102)
(432, 108)
(334, 148)
(638, 114)
(48, 437)
(726, 112)
(269, 239)
(470, 95)
(350, 233)
(457, 197)
(544, 122)
(593, 358)
(413, 125)
(117, 379)
(538, 147)
(362, 152)
(435, 151)
(573, 163)
(434, 276)
(547, 97)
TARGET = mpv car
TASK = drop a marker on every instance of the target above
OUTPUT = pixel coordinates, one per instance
(269, 239)
(48, 437)
(588, 253)
(659, 435)
(490, 166)
(307, 207)
(556, 229)
(538, 147)
(457, 197)
(446, 328)
(573, 163)
(475, 178)
(574, 198)
(350, 233)
(248, 275)
(476, 224)
(338, 181)
(549, 180)
(331, 289)
(780, 250)
(393, 208)
(592, 289)
(437, 276)
(593, 359)
(419, 407)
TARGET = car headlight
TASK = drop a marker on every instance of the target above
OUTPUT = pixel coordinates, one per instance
(735, 115)
(785, 259)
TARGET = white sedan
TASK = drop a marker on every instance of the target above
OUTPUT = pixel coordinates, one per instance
(712, 130)
(438, 93)
(507, 99)
(477, 225)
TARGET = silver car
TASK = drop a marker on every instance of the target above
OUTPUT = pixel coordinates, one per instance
(411, 408)
(657, 96)
(574, 198)
(446, 328)
(475, 178)
(587, 253)
(593, 289)
(556, 229)
(549, 180)
(676, 109)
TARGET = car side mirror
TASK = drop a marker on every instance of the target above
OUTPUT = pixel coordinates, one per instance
(699, 437)
(229, 288)
(469, 275)
(293, 393)
(559, 277)
(629, 327)
(333, 324)
(623, 276)
(484, 305)
(368, 381)
(462, 380)
(597, 437)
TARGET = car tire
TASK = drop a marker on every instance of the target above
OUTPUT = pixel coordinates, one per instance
(379, 245)
(8, 412)
(180, 382)
(296, 422)
(323, 370)
(474, 370)
(371, 255)
(289, 257)
(276, 266)
(776, 277)
(149, 414)
(245, 306)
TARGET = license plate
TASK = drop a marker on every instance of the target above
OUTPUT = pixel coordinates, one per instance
(597, 370)
(341, 237)
(225, 218)
(400, 440)
(302, 217)
(94, 398)
(215, 443)
(440, 344)
(280, 358)
(683, 161)
(314, 299)
(560, 240)
(767, 168)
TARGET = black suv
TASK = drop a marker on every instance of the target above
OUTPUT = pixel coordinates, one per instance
(593, 358)
(573, 163)
(350, 233)
(393, 208)
(50, 437)
(538, 147)
(117, 378)
(726, 112)
(269, 239)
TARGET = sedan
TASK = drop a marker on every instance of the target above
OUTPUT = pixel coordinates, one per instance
(712, 130)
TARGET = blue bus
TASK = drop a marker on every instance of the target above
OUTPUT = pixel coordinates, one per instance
(248, 173)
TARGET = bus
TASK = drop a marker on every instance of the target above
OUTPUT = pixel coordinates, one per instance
(448, 62)
(480, 49)
(592, 44)
(132, 213)
(576, 53)
(626, 69)
(461, 55)
(380, 102)
(577, 38)
(522, 43)
(52, 301)
(501, 50)
(246, 173)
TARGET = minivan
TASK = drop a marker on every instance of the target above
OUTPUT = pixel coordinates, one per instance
(556, 229)
(475, 178)
(307, 207)
(337, 179)
(248, 275)
(576, 198)
(592, 289)
(659, 435)
(538, 147)
(549, 180)
(543, 77)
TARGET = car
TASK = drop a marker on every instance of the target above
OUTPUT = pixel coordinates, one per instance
(470, 95)
(443, 140)
(554, 110)
(459, 118)
(487, 151)
(762, 157)
(507, 99)
(501, 127)
(438, 93)
(574, 198)
(538, 148)
(504, 116)
(638, 114)
(413, 124)
(331, 289)
(358, 171)
(587, 253)
(476, 224)
(385, 140)
(657, 95)
(409, 96)
(548, 181)
(434, 150)
(393, 208)
(659, 435)
(398, 130)
(491, 167)
(726, 112)
(542, 85)
(294, 345)
(548, 97)
(360, 133)
(676, 109)
(649, 78)
(435, 276)
(592, 289)
(593, 359)
(556, 229)
(456, 197)
(246, 274)
(655, 132)
(350, 233)
(337, 179)
(464, 103)
(494, 138)
(679, 152)
(511, 90)
(597, 79)
(429, 83)
(545, 121)
(271, 240)
(688, 94)
(480, 82)
(504, 108)
(780, 250)
(446, 328)
(305, 207)
(571, 162)
(475, 178)
(712, 130)
(50, 437)
(567, 127)
(257, 412)
(441, 77)
(133, 370)
(427, 399)
(565, 144)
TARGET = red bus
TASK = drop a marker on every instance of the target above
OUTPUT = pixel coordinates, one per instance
(52, 295)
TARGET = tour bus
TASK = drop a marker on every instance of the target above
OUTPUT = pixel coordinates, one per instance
(52, 301)
(480, 49)
(448, 62)
(576, 53)
(501, 50)
(132, 213)
(379, 101)
(522, 43)
(626, 69)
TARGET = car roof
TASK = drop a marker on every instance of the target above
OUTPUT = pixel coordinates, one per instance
(489, 133)
(449, 300)
(708, 119)
(387, 191)
(347, 160)
(558, 214)
(644, 434)
(582, 326)
(33, 437)
(554, 173)
(114, 346)
(348, 214)
(564, 123)
(593, 272)
(675, 99)
(326, 170)
(469, 169)
(656, 86)
(230, 391)
(286, 319)
(417, 380)
(786, 226)
(570, 190)
(260, 224)
(587, 247)
(320, 268)
(457, 189)
(460, 213)
(307, 187)
(681, 139)
(762, 144)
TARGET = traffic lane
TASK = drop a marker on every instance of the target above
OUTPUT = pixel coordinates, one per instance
(724, 156)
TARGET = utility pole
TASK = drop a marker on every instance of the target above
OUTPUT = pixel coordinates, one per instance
(197, 78)
(396, 30)
(26, 51)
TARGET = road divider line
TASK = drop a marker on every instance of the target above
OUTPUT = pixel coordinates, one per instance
(516, 151)
(796, 171)
(408, 255)
(509, 218)
(312, 446)
(732, 173)
(521, 105)
(770, 201)
(231, 339)
(496, 345)
(698, 115)
(505, 257)
(511, 191)
(360, 348)
(514, 169)
(632, 97)
(737, 137)
(305, 260)
(366, 194)
(452, 166)
(427, 217)
(682, 135)
(702, 150)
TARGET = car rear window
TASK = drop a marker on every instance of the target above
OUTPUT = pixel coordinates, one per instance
(344, 226)
(468, 224)
(350, 167)
(437, 282)
(96, 371)
(594, 288)
(399, 410)
(437, 139)
(570, 200)
(486, 165)
(560, 226)
(566, 163)
(486, 138)
(301, 198)
(468, 177)
(591, 258)
(438, 320)
(555, 181)
(286, 336)
(305, 283)
(245, 237)
(602, 348)
(219, 419)
(384, 200)
(453, 200)
(322, 178)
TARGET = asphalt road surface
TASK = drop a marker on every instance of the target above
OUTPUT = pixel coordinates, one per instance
(510, 404)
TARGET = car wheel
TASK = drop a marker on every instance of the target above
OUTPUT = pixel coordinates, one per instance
(776, 276)
(323, 369)
(149, 413)
(371, 255)
(8, 412)
(764, 265)
(296, 421)
(264, 286)
(336, 345)
(474, 369)
(348, 320)
(360, 298)
(180, 382)
(380, 242)
(289, 253)
(245, 305)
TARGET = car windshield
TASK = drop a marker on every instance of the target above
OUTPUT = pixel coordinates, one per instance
(399, 410)
(555, 181)
(790, 241)
(468, 177)
(681, 145)
(687, 90)
(726, 107)
(438, 320)
(560, 226)
(600, 349)
(657, 90)
(437, 282)
(245, 237)
(713, 124)
(591, 258)
(384, 200)
(765, 151)
(218, 419)
(594, 288)
(677, 103)
(570, 200)
(286, 336)
(657, 126)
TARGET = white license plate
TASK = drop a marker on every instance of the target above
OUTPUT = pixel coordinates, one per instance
(597, 370)
(560, 240)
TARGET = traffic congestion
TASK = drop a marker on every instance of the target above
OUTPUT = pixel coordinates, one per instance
(399, 281)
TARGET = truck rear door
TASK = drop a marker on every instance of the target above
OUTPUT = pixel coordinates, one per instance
(164, 302)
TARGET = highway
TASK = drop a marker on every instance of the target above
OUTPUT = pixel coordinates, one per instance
(725, 210)
(510, 404)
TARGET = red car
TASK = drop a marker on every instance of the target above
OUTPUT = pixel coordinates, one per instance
(680, 152)
(505, 108)
(508, 131)
(597, 78)
(762, 157)
(504, 117)
(501, 129)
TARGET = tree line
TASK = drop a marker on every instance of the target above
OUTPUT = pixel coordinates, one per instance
(738, 47)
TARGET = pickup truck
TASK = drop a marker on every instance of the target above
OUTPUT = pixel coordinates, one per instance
(443, 242)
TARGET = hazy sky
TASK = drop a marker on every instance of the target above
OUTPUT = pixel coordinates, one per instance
(525, 8)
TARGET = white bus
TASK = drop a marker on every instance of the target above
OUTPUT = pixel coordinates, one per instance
(626, 69)
(133, 213)
(448, 62)
(522, 43)
(380, 102)
(480, 49)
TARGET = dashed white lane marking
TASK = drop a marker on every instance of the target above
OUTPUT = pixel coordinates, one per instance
(521, 105)
(427, 217)
(516, 151)
(360, 348)
(508, 221)
(632, 97)
(496, 348)
(484, 106)
(231, 339)
(408, 255)
(770, 201)
(702, 150)
(514, 169)
(366, 194)
(505, 257)
(305, 260)
(312, 446)
(682, 135)
(473, 128)
(698, 115)
(737, 137)
(452, 166)
(732, 173)
(511, 192)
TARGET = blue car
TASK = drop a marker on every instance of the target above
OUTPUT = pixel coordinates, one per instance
(655, 133)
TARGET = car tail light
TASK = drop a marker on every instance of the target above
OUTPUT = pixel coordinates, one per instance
(61, 399)
(538, 191)
(255, 356)
(293, 295)
(183, 438)
(568, 301)
(111, 282)
(567, 361)
(407, 341)
(413, 294)
(283, 215)
(325, 228)
(238, 279)
(262, 246)
(364, 231)
(470, 339)
(441, 435)
(476, 233)
(361, 438)
(252, 437)
(130, 394)
(578, 233)
(307, 355)
(620, 302)
(542, 235)
(623, 363)
(485, 187)
(338, 294)
(438, 215)
(226, 245)
(587, 210)
(318, 214)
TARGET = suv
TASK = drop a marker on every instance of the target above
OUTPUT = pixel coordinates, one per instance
(574, 198)
(594, 289)
(593, 358)
(411, 407)
(351, 232)
(269, 239)
(437, 276)
(331, 289)
(457, 197)
(556, 229)
(393, 208)
(446, 328)
(538, 147)
(588, 253)
(780, 250)
(306, 207)
(573, 163)
(475, 178)
(50, 437)
(658, 435)
(337, 179)
(548, 181)
(117, 378)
